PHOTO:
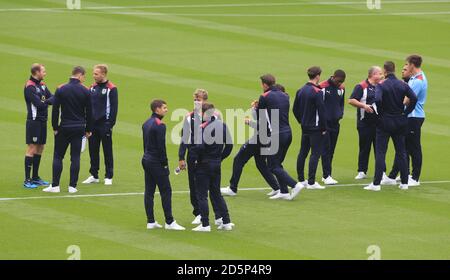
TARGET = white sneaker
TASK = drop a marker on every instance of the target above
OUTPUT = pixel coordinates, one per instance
(52, 189)
(373, 187)
(296, 190)
(413, 183)
(72, 189)
(228, 226)
(197, 220)
(316, 186)
(201, 228)
(360, 176)
(108, 182)
(173, 226)
(403, 186)
(91, 180)
(218, 222)
(227, 191)
(329, 181)
(154, 225)
(398, 178)
(284, 196)
(273, 192)
(387, 181)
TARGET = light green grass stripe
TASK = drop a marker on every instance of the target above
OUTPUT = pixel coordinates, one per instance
(141, 239)
(287, 38)
(128, 71)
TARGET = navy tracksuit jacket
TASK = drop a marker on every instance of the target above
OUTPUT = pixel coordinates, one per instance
(275, 102)
(216, 145)
(310, 113)
(191, 127)
(156, 169)
(389, 96)
(366, 123)
(104, 98)
(334, 111)
(73, 101)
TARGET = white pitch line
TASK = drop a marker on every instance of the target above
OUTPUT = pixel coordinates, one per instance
(281, 15)
(174, 192)
(226, 5)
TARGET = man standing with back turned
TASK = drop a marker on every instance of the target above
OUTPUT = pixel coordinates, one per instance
(273, 107)
(418, 83)
(73, 101)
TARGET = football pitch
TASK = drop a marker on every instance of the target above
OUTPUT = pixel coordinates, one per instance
(167, 49)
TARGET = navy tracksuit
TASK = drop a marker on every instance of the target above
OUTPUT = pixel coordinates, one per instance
(104, 98)
(248, 150)
(413, 148)
(389, 96)
(215, 145)
(156, 169)
(73, 101)
(310, 113)
(334, 111)
(37, 98)
(191, 128)
(275, 99)
(366, 123)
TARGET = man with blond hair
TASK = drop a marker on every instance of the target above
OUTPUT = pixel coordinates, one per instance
(104, 96)
(191, 126)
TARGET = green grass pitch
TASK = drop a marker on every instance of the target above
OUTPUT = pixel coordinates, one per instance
(166, 49)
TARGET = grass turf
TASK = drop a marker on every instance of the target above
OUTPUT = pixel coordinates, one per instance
(223, 49)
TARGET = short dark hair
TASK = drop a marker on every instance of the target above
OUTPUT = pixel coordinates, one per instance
(207, 106)
(268, 79)
(36, 67)
(339, 73)
(78, 70)
(415, 60)
(156, 103)
(280, 87)
(314, 72)
(389, 67)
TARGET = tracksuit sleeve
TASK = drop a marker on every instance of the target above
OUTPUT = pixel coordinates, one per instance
(114, 103)
(89, 116)
(319, 100)
(48, 97)
(357, 93)
(143, 138)
(378, 95)
(184, 139)
(228, 140)
(253, 124)
(342, 102)
(412, 100)
(33, 98)
(296, 108)
(262, 108)
(55, 111)
(161, 143)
